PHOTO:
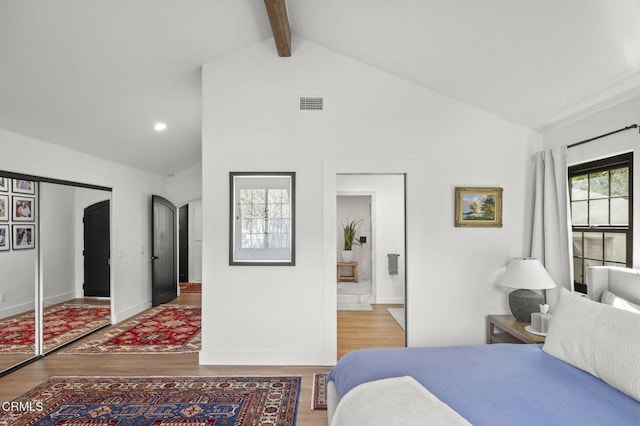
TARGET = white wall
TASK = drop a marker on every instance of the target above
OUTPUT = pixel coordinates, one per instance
(17, 281)
(195, 241)
(373, 122)
(602, 122)
(185, 186)
(57, 242)
(130, 208)
(389, 229)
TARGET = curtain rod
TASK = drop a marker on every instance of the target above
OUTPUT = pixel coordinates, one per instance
(632, 126)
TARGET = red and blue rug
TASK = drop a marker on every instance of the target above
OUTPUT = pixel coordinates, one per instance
(163, 329)
(157, 401)
(62, 324)
(319, 391)
(190, 288)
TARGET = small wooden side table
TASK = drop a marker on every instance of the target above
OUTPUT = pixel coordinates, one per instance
(354, 277)
(511, 331)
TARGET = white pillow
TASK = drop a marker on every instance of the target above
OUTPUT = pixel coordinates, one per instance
(609, 298)
(597, 338)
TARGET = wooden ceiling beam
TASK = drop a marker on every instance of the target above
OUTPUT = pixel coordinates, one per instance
(277, 11)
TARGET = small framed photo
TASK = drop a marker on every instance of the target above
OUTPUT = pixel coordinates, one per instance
(24, 209)
(5, 238)
(4, 208)
(24, 237)
(21, 186)
(4, 184)
(478, 207)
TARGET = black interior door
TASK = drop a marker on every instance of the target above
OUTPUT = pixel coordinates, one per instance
(183, 237)
(164, 274)
(96, 250)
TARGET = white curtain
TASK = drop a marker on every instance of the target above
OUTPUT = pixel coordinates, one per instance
(550, 235)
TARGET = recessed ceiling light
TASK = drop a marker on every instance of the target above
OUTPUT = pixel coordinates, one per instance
(159, 127)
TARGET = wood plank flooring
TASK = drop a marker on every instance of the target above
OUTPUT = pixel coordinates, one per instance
(355, 329)
(368, 329)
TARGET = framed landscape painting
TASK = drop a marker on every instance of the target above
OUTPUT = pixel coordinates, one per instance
(478, 207)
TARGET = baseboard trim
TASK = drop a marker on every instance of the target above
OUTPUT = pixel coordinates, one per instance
(266, 358)
(389, 301)
(60, 298)
(128, 313)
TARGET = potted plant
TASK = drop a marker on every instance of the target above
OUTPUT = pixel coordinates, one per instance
(349, 231)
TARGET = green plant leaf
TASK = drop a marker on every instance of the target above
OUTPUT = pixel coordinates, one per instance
(349, 231)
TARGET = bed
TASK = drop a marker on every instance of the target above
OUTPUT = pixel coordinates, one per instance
(586, 373)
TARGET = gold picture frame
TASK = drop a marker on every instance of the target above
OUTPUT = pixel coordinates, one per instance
(478, 207)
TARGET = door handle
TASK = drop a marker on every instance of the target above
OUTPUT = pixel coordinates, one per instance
(154, 258)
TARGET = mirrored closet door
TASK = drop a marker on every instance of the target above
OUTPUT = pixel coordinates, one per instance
(18, 271)
(54, 265)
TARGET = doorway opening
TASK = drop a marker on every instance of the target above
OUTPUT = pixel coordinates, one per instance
(371, 293)
(183, 243)
(164, 256)
(190, 245)
(97, 249)
(356, 289)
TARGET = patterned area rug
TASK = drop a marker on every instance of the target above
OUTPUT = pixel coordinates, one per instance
(166, 329)
(190, 288)
(62, 324)
(158, 401)
(319, 392)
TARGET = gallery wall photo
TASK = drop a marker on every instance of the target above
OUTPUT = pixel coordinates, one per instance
(18, 208)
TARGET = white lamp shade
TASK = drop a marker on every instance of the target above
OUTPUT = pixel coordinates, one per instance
(528, 273)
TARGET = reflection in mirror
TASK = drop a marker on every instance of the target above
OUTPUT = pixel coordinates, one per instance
(74, 235)
(18, 278)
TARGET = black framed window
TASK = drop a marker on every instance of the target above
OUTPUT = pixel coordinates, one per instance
(262, 218)
(601, 194)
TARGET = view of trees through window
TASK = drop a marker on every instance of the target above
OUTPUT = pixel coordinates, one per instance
(265, 218)
(601, 212)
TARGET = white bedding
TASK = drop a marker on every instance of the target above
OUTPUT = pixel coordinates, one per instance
(400, 401)
(379, 402)
(600, 339)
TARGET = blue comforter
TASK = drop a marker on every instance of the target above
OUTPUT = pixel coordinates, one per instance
(504, 384)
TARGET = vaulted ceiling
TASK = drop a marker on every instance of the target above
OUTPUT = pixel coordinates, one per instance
(94, 75)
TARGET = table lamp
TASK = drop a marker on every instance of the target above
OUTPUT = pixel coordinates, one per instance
(526, 274)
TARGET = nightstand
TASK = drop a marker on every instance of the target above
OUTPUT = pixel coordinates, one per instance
(505, 329)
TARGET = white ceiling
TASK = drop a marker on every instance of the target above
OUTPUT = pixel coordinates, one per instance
(94, 75)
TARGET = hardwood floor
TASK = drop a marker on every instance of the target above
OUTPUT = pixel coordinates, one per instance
(27, 377)
(355, 330)
(368, 329)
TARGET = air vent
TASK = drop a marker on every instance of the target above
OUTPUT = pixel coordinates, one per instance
(311, 103)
